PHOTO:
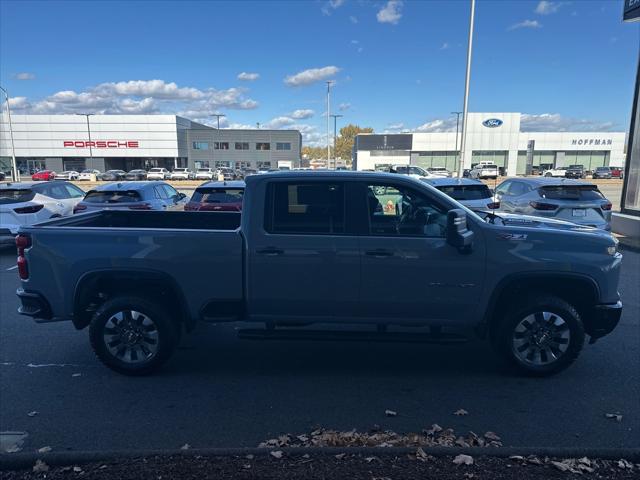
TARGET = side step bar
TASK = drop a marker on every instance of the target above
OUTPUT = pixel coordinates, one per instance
(342, 335)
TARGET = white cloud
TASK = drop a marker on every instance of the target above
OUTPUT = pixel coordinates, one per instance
(310, 135)
(331, 5)
(396, 126)
(390, 13)
(438, 125)
(554, 122)
(355, 42)
(312, 75)
(444, 46)
(547, 8)
(302, 114)
(343, 107)
(279, 122)
(525, 24)
(18, 103)
(141, 96)
(24, 76)
(248, 77)
(353, 19)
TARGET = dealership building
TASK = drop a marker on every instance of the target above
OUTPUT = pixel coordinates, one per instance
(127, 142)
(494, 137)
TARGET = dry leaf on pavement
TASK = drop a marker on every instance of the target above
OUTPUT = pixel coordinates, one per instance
(461, 412)
(390, 413)
(32, 414)
(40, 466)
(616, 416)
(276, 454)
(186, 446)
(77, 469)
(44, 450)
(340, 456)
(463, 460)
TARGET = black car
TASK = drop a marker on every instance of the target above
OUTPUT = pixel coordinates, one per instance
(113, 175)
(602, 172)
(136, 175)
(575, 171)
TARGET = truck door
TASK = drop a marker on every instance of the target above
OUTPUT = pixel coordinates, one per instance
(304, 261)
(409, 271)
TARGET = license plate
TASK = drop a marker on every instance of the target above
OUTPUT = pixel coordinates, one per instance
(579, 212)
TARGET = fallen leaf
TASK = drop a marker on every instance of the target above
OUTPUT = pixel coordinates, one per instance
(461, 412)
(32, 414)
(306, 455)
(563, 467)
(491, 436)
(246, 466)
(76, 375)
(390, 413)
(44, 450)
(77, 469)
(421, 455)
(249, 457)
(102, 467)
(435, 428)
(186, 446)
(622, 463)
(463, 459)
(276, 453)
(340, 456)
(40, 466)
(370, 459)
(615, 416)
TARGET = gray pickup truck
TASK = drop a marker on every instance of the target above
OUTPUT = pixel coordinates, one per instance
(315, 252)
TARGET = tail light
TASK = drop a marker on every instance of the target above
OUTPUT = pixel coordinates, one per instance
(606, 206)
(29, 209)
(493, 205)
(141, 206)
(543, 206)
(23, 242)
(79, 208)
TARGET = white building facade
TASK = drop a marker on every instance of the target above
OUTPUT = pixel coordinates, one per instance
(491, 137)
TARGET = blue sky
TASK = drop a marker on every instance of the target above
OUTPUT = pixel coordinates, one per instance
(398, 65)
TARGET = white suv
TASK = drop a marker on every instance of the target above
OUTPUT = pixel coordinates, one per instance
(484, 170)
(555, 172)
(158, 174)
(204, 174)
(182, 174)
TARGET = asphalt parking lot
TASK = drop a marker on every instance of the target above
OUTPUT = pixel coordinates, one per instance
(219, 391)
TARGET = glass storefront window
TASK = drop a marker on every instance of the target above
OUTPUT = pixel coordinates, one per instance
(498, 157)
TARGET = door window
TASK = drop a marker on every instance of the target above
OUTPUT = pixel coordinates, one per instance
(401, 211)
(517, 189)
(73, 191)
(503, 187)
(170, 191)
(305, 208)
(160, 193)
(57, 191)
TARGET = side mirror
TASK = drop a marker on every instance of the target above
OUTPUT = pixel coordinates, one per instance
(181, 195)
(458, 235)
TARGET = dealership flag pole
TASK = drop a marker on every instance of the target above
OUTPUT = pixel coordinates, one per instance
(89, 135)
(457, 162)
(466, 91)
(329, 83)
(14, 166)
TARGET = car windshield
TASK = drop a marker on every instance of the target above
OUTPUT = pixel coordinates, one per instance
(137, 171)
(88, 171)
(16, 195)
(466, 192)
(109, 196)
(571, 192)
(218, 195)
(410, 170)
(155, 170)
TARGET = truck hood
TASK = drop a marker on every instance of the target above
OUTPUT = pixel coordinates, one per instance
(531, 221)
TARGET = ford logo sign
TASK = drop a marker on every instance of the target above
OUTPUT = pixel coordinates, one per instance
(492, 122)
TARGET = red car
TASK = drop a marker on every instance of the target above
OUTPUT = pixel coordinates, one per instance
(217, 197)
(617, 172)
(43, 175)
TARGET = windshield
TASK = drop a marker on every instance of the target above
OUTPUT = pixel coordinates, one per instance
(15, 195)
(125, 196)
(466, 192)
(155, 170)
(218, 195)
(573, 192)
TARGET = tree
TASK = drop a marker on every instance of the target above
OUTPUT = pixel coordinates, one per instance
(344, 143)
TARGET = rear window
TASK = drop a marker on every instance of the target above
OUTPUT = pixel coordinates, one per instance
(15, 195)
(571, 192)
(155, 170)
(218, 195)
(466, 192)
(125, 196)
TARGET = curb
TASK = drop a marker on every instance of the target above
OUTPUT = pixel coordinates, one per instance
(20, 461)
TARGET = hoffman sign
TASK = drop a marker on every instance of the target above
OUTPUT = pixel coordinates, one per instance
(591, 141)
(102, 144)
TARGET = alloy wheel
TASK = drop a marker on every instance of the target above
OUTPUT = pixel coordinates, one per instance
(541, 338)
(131, 336)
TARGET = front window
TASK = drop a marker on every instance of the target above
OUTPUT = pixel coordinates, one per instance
(201, 145)
(242, 145)
(221, 146)
(283, 146)
(263, 146)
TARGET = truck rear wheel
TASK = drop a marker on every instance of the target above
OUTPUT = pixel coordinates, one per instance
(132, 335)
(542, 336)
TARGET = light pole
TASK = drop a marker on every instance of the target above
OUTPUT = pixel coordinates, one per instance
(14, 167)
(218, 115)
(465, 108)
(329, 83)
(457, 114)
(89, 134)
(335, 119)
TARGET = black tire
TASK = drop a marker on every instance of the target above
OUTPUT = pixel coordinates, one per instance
(562, 326)
(164, 332)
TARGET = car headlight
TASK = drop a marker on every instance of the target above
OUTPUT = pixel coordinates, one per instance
(612, 250)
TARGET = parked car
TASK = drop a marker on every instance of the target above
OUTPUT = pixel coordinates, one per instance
(158, 174)
(534, 291)
(555, 172)
(3, 176)
(601, 172)
(204, 174)
(484, 170)
(227, 173)
(217, 197)
(182, 174)
(68, 175)
(132, 196)
(575, 171)
(439, 172)
(137, 174)
(249, 171)
(563, 199)
(113, 175)
(43, 175)
(411, 170)
(617, 172)
(473, 194)
(26, 203)
(89, 174)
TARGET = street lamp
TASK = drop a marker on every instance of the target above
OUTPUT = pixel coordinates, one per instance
(329, 83)
(89, 134)
(465, 108)
(335, 118)
(14, 167)
(218, 115)
(457, 114)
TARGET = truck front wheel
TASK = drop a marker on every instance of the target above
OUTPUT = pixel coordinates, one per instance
(132, 335)
(541, 336)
